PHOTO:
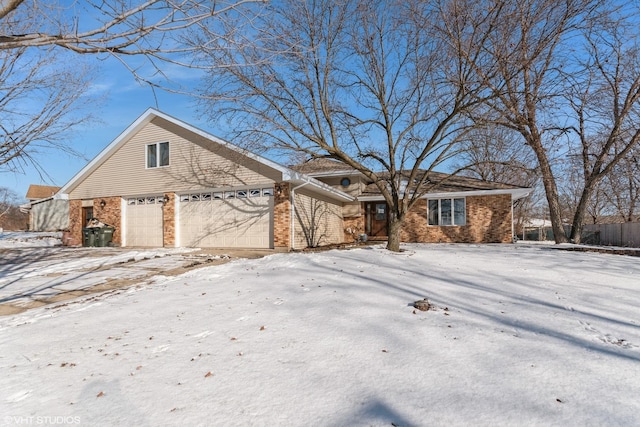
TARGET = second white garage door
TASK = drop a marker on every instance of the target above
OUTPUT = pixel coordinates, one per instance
(229, 219)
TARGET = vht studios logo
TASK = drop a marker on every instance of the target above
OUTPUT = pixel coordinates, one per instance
(40, 420)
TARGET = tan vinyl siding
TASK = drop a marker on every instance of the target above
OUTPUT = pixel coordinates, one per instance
(318, 221)
(195, 163)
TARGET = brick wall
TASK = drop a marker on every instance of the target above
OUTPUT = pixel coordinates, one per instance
(110, 214)
(353, 227)
(281, 216)
(488, 221)
(169, 220)
(73, 236)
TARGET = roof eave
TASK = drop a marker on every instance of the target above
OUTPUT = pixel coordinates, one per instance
(516, 193)
(299, 178)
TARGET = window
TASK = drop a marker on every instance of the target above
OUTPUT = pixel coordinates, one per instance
(254, 193)
(381, 211)
(267, 192)
(447, 211)
(345, 182)
(158, 155)
(241, 194)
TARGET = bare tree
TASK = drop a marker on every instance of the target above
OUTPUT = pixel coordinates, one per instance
(42, 98)
(605, 99)
(568, 85)
(10, 216)
(379, 86)
(529, 46)
(492, 154)
(39, 100)
(622, 187)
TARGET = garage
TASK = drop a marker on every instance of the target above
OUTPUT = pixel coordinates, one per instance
(230, 218)
(143, 221)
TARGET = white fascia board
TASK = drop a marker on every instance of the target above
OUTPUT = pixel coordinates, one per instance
(334, 173)
(299, 178)
(516, 194)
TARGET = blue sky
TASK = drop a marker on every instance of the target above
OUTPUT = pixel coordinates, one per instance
(123, 100)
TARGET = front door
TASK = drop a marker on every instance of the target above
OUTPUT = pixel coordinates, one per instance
(376, 219)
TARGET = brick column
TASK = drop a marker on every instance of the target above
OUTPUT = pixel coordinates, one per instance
(281, 216)
(110, 214)
(73, 237)
(169, 220)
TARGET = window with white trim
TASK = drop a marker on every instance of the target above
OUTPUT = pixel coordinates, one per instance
(447, 211)
(157, 155)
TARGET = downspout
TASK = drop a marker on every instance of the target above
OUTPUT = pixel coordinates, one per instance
(292, 236)
(513, 230)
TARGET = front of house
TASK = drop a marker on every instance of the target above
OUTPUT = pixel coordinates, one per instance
(163, 182)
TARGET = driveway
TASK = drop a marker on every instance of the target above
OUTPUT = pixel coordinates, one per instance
(32, 277)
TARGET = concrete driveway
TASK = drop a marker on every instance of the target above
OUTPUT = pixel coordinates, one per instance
(32, 277)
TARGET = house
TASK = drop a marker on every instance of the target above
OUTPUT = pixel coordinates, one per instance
(46, 212)
(163, 182)
(37, 192)
(455, 209)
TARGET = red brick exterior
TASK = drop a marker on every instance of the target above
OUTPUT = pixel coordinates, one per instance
(488, 221)
(353, 227)
(169, 220)
(73, 236)
(111, 215)
(282, 216)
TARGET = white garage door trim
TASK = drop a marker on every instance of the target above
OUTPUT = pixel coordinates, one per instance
(226, 218)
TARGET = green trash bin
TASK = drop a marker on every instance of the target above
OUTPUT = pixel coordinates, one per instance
(85, 236)
(88, 236)
(105, 236)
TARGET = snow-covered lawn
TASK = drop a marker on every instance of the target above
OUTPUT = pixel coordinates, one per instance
(521, 335)
(19, 239)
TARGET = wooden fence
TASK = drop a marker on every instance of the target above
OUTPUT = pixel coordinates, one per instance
(625, 234)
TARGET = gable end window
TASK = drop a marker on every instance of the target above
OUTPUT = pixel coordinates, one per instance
(157, 155)
(447, 211)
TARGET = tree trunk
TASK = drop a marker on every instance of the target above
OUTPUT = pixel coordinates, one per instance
(394, 228)
(578, 217)
(551, 189)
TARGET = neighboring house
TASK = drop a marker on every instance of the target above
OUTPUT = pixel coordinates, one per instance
(46, 213)
(163, 182)
(37, 192)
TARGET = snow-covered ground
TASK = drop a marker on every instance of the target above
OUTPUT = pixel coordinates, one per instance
(22, 239)
(520, 335)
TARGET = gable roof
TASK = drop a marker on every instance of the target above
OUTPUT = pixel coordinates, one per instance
(323, 167)
(440, 184)
(288, 175)
(36, 192)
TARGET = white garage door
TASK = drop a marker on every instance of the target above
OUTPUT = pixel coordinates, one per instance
(143, 222)
(227, 219)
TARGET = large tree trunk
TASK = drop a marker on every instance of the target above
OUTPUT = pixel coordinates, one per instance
(394, 228)
(581, 209)
(551, 189)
